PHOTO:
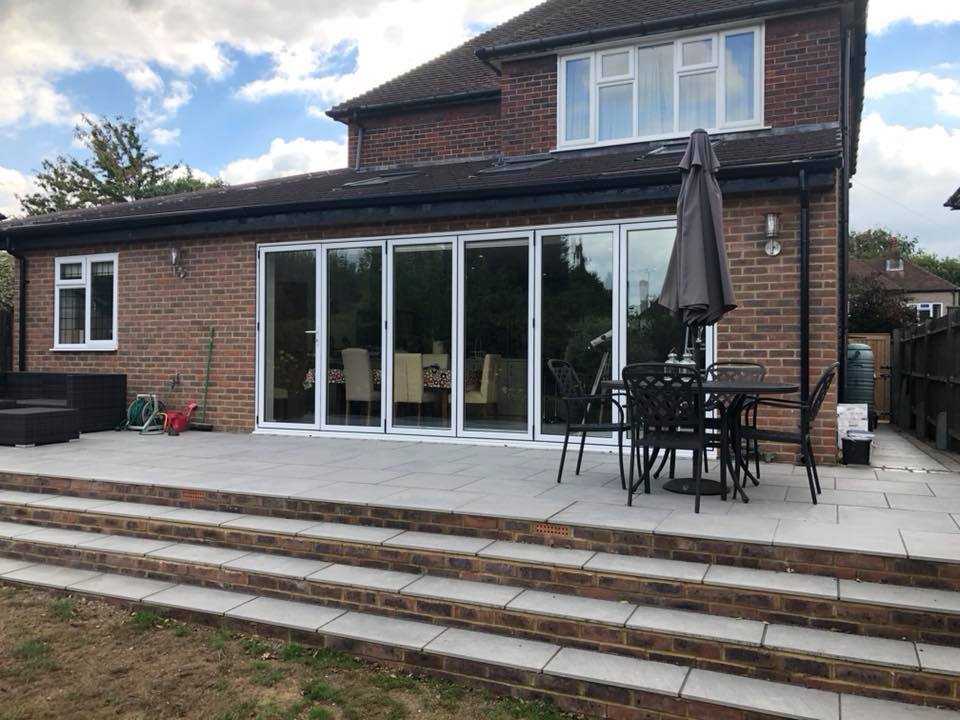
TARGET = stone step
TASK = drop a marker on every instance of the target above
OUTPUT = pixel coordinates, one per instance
(907, 671)
(790, 598)
(881, 554)
(584, 681)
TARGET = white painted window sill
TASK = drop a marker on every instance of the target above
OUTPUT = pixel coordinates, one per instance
(110, 348)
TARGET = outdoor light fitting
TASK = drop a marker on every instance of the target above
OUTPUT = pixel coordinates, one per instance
(176, 263)
(772, 232)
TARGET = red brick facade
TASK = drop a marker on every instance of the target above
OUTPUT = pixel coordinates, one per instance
(528, 106)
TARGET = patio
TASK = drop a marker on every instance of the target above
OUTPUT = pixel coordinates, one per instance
(907, 505)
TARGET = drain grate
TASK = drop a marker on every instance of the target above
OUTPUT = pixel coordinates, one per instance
(551, 529)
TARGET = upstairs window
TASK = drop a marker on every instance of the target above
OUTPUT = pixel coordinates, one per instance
(661, 90)
(85, 302)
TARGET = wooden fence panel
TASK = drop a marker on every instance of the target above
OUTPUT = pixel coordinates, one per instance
(880, 345)
(926, 377)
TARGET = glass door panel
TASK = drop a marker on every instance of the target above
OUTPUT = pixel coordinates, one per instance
(652, 331)
(496, 287)
(289, 336)
(576, 314)
(353, 326)
(422, 335)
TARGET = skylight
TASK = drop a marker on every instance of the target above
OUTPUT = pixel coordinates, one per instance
(381, 179)
(515, 165)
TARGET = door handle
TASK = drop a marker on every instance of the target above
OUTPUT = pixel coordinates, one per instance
(310, 332)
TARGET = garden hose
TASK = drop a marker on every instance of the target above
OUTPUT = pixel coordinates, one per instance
(141, 411)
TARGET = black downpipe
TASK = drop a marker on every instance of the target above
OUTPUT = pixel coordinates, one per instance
(804, 296)
(21, 309)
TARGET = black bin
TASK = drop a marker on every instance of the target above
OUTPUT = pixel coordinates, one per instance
(856, 447)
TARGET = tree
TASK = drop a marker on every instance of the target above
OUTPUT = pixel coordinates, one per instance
(946, 267)
(120, 169)
(876, 308)
(877, 242)
(6, 280)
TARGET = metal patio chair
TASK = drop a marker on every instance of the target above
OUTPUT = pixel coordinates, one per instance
(733, 371)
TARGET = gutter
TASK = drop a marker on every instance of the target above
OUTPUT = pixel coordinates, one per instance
(677, 22)
(22, 306)
(353, 111)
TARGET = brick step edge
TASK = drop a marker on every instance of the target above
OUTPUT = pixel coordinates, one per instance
(860, 608)
(832, 563)
(579, 681)
(734, 654)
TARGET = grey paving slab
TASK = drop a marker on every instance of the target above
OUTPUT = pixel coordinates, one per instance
(345, 532)
(783, 510)
(68, 502)
(362, 577)
(193, 516)
(285, 613)
(518, 508)
(826, 536)
(919, 487)
(437, 541)
(939, 658)
(478, 593)
(125, 544)
(900, 596)
(263, 523)
(923, 503)
(942, 547)
(897, 519)
(279, 565)
(13, 530)
(201, 599)
(60, 536)
(857, 707)
(543, 554)
(16, 497)
(496, 649)
(573, 607)
(348, 493)
(648, 567)
(132, 509)
(762, 696)
(602, 515)
(363, 476)
(943, 489)
(743, 529)
(616, 670)
(839, 497)
(200, 554)
(434, 500)
(383, 630)
(53, 576)
(10, 564)
(693, 624)
(124, 587)
(771, 581)
(878, 651)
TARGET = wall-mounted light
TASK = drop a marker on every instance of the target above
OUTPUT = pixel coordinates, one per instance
(176, 262)
(772, 233)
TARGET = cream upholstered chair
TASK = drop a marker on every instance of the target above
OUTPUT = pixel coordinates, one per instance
(486, 394)
(441, 360)
(358, 380)
(408, 380)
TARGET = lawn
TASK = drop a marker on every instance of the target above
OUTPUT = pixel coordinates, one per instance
(78, 658)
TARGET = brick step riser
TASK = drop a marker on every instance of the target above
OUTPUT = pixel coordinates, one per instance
(804, 611)
(575, 696)
(723, 656)
(845, 565)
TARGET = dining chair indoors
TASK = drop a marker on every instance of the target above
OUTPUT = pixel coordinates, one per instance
(358, 381)
(579, 406)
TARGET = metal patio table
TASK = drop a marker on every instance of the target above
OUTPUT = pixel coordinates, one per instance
(739, 391)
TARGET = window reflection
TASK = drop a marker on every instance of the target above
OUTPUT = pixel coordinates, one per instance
(652, 331)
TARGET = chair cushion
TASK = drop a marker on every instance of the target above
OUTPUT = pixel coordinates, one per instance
(42, 402)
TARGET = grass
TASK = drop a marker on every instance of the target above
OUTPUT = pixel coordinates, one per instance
(34, 657)
(266, 674)
(63, 608)
(143, 620)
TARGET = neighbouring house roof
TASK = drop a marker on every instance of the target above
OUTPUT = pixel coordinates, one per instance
(765, 152)
(912, 279)
(954, 200)
(556, 23)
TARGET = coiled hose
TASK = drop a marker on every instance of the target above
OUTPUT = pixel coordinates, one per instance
(140, 411)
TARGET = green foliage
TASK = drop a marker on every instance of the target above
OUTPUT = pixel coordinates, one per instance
(143, 620)
(6, 280)
(63, 608)
(218, 639)
(34, 656)
(946, 267)
(120, 169)
(293, 651)
(266, 674)
(514, 709)
(874, 308)
(319, 713)
(254, 646)
(319, 691)
(879, 242)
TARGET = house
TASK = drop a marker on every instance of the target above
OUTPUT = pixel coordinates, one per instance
(930, 294)
(509, 202)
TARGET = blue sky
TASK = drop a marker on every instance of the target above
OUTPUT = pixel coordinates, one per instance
(238, 89)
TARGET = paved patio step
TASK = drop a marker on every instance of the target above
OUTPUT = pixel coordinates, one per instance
(792, 598)
(919, 673)
(603, 684)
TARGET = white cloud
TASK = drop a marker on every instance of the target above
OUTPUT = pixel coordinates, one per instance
(287, 157)
(904, 175)
(13, 183)
(946, 91)
(165, 136)
(882, 14)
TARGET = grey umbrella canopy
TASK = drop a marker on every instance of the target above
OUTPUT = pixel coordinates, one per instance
(697, 285)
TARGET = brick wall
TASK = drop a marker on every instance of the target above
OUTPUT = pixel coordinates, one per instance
(164, 321)
(440, 134)
(528, 106)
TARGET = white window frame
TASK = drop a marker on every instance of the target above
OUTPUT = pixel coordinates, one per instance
(84, 281)
(928, 307)
(717, 64)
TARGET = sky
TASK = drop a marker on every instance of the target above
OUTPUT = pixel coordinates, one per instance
(237, 89)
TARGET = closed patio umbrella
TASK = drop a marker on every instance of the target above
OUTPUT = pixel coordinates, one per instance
(697, 285)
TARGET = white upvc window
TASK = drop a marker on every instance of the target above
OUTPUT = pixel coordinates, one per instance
(928, 310)
(661, 89)
(85, 302)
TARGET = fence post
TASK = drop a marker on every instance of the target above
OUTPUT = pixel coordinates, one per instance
(895, 377)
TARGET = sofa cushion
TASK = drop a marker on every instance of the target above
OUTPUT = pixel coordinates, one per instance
(43, 402)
